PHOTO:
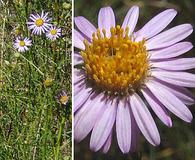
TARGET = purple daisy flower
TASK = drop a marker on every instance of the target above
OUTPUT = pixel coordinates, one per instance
(120, 71)
(22, 44)
(39, 23)
(62, 97)
(53, 33)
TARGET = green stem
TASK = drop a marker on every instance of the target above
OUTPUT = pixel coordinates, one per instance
(32, 64)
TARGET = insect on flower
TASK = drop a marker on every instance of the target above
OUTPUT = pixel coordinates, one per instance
(120, 69)
(22, 44)
(53, 33)
(39, 23)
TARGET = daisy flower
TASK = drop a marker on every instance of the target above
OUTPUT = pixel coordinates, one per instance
(53, 33)
(62, 97)
(121, 75)
(22, 44)
(39, 23)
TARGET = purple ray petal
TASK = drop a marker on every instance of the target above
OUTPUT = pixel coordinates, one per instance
(156, 24)
(182, 93)
(79, 75)
(77, 58)
(123, 126)
(78, 87)
(177, 78)
(81, 97)
(175, 64)
(107, 145)
(131, 19)
(84, 26)
(78, 40)
(103, 127)
(170, 52)
(170, 101)
(134, 131)
(86, 121)
(106, 19)
(157, 107)
(169, 37)
(144, 120)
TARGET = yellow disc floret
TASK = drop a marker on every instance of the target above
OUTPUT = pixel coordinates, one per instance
(53, 32)
(22, 43)
(115, 64)
(39, 22)
(63, 99)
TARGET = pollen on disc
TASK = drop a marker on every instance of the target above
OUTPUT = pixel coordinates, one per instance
(115, 63)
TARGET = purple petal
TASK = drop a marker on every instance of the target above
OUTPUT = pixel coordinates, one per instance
(131, 19)
(169, 37)
(134, 131)
(172, 51)
(107, 145)
(144, 120)
(81, 97)
(180, 92)
(78, 40)
(84, 26)
(79, 75)
(176, 78)
(77, 58)
(175, 64)
(123, 126)
(106, 19)
(103, 127)
(78, 87)
(89, 115)
(156, 24)
(157, 107)
(170, 101)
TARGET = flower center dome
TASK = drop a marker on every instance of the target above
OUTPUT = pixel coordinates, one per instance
(22, 43)
(39, 22)
(115, 64)
(53, 32)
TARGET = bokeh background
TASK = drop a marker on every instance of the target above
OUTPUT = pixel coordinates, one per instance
(178, 142)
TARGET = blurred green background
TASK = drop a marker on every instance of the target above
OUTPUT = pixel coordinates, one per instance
(178, 142)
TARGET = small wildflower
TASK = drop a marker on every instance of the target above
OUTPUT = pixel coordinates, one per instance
(62, 97)
(53, 33)
(48, 82)
(39, 23)
(22, 44)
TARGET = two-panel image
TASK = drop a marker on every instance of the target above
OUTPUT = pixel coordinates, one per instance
(97, 80)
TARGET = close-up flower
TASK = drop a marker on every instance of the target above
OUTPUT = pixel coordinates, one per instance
(53, 33)
(121, 76)
(62, 97)
(22, 44)
(39, 23)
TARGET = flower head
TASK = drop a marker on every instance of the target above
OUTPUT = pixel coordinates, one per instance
(53, 33)
(62, 97)
(119, 70)
(39, 23)
(22, 44)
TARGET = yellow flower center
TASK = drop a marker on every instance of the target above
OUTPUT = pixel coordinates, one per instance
(53, 32)
(22, 43)
(39, 22)
(63, 99)
(115, 64)
(48, 82)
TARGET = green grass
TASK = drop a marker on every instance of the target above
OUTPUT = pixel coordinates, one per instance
(33, 125)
